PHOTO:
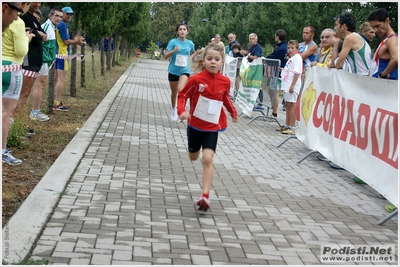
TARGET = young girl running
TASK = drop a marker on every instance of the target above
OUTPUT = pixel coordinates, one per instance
(179, 49)
(208, 91)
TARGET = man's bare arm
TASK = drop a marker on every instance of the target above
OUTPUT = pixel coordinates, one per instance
(392, 45)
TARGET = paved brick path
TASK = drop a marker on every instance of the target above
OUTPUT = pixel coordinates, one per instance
(132, 197)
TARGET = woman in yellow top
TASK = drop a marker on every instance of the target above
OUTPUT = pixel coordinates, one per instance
(15, 41)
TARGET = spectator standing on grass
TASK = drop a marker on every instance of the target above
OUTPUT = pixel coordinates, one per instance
(254, 52)
(203, 125)
(49, 56)
(179, 50)
(63, 50)
(15, 45)
(280, 53)
(34, 59)
(38, 14)
(386, 56)
(10, 13)
(291, 85)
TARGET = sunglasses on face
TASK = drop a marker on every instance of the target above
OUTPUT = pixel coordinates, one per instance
(20, 11)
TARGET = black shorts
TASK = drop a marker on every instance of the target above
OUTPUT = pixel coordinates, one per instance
(175, 78)
(32, 68)
(198, 139)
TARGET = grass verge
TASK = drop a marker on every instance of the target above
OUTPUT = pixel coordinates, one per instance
(41, 150)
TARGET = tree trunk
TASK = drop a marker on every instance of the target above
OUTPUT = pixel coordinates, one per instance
(109, 52)
(93, 70)
(83, 62)
(102, 56)
(50, 90)
(114, 55)
(72, 88)
(74, 49)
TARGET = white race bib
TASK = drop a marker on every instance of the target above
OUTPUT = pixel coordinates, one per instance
(208, 110)
(181, 60)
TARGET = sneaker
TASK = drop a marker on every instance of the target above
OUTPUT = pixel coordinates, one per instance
(390, 208)
(282, 128)
(333, 165)
(174, 114)
(31, 132)
(39, 116)
(258, 107)
(283, 108)
(60, 107)
(322, 157)
(289, 131)
(203, 204)
(359, 181)
(274, 115)
(9, 159)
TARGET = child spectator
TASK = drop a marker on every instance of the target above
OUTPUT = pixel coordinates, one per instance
(208, 92)
(291, 85)
(236, 53)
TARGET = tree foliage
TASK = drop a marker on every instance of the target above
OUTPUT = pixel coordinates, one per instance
(262, 18)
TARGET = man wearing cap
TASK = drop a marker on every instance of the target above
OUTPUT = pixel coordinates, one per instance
(63, 50)
(49, 56)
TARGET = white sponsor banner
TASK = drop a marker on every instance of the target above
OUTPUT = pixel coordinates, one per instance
(230, 72)
(250, 84)
(353, 121)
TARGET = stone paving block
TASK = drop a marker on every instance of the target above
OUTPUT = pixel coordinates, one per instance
(122, 255)
(42, 250)
(98, 259)
(65, 246)
(79, 261)
(201, 260)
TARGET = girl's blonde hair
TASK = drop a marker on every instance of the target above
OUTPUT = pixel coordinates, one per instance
(198, 56)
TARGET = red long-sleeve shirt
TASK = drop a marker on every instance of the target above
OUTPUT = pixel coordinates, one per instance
(212, 86)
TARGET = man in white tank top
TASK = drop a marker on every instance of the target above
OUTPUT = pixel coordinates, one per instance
(355, 49)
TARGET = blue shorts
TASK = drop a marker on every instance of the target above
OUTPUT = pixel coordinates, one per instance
(61, 64)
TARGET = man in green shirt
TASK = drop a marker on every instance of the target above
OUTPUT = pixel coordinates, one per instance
(49, 56)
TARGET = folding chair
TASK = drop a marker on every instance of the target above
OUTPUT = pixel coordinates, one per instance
(271, 69)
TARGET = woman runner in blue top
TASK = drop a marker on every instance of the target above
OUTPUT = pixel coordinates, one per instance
(179, 49)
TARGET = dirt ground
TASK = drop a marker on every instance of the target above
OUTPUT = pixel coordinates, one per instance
(51, 138)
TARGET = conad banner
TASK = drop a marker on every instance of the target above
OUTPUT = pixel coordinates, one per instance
(251, 79)
(230, 72)
(353, 121)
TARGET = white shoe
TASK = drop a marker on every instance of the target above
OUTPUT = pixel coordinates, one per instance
(39, 116)
(174, 114)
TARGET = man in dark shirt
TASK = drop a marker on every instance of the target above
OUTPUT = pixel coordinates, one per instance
(255, 51)
(280, 53)
(232, 41)
(34, 59)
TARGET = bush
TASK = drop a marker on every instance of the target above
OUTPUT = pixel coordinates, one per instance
(16, 135)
